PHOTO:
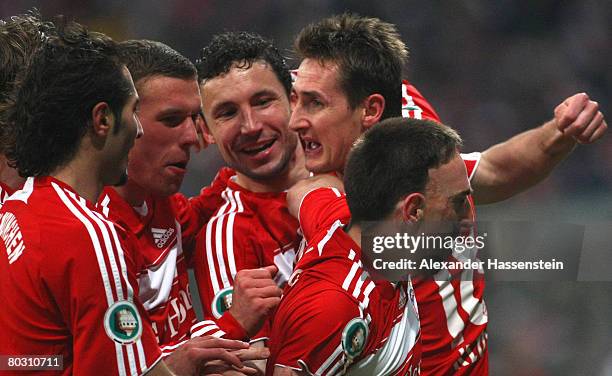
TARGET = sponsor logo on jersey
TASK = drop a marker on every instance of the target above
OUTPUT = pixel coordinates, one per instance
(12, 237)
(122, 322)
(354, 337)
(222, 302)
(161, 236)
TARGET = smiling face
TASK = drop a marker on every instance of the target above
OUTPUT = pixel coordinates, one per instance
(169, 111)
(247, 112)
(322, 116)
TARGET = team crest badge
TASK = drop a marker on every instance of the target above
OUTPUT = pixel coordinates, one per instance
(354, 337)
(122, 322)
(222, 302)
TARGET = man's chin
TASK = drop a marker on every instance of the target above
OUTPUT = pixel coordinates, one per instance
(263, 173)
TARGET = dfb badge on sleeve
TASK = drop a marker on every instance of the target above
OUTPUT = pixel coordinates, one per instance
(222, 302)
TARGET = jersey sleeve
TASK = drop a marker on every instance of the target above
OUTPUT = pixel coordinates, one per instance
(415, 106)
(222, 248)
(308, 327)
(193, 213)
(320, 208)
(97, 291)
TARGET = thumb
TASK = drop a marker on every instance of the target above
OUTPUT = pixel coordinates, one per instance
(272, 269)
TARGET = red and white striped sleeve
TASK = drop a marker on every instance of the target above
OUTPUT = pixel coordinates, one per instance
(307, 331)
(193, 213)
(218, 257)
(110, 328)
(320, 208)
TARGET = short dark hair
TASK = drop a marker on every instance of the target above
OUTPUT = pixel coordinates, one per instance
(147, 58)
(20, 36)
(71, 72)
(368, 51)
(392, 160)
(243, 48)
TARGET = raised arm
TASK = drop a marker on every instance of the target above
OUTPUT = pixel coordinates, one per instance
(524, 160)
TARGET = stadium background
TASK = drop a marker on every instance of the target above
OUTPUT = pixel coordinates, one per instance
(491, 69)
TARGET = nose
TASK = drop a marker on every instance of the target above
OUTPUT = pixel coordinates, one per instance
(250, 123)
(298, 122)
(189, 133)
(139, 130)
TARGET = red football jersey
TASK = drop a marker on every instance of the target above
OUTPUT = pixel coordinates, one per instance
(333, 317)
(165, 230)
(68, 284)
(453, 312)
(248, 231)
(5, 192)
(414, 105)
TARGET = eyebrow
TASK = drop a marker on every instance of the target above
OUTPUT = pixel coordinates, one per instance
(230, 103)
(312, 93)
(173, 111)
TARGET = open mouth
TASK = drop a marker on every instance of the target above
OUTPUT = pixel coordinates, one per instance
(310, 145)
(255, 149)
(181, 165)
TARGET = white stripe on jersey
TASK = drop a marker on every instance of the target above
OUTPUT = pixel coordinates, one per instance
(205, 329)
(131, 359)
(328, 236)
(209, 254)
(104, 205)
(107, 244)
(339, 363)
(350, 276)
(219, 244)
(330, 360)
(366, 294)
(446, 290)
(219, 333)
(476, 157)
(3, 196)
(108, 251)
(209, 257)
(141, 355)
(101, 264)
(230, 236)
(352, 255)
(222, 275)
(199, 324)
(359, 283)
(94, 240)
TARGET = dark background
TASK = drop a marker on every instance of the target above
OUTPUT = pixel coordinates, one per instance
(491, 69)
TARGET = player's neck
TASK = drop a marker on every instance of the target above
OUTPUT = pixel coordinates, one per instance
(9, 175)
(81, 176)
(132, 193)
(276, 184)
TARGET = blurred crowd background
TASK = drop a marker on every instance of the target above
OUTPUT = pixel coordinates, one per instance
(492, 69)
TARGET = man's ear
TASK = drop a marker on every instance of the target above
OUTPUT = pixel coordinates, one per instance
(373, 108)
(103, 119)
(410, 208)
(208, 137)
